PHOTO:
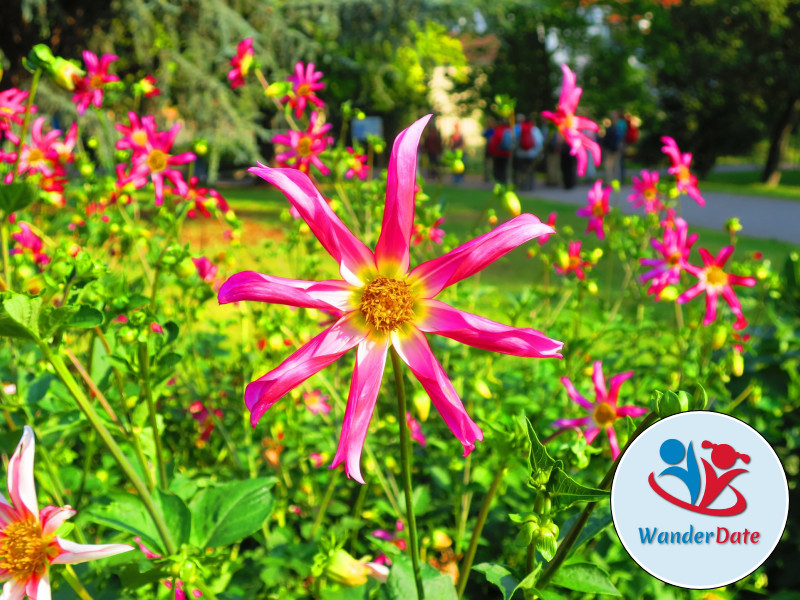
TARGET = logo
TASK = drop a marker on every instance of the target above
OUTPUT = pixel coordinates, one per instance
(699, 500)
(723, 456)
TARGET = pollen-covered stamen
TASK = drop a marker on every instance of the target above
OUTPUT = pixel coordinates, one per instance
(716, 276)
(303, 89)
(386, 304)
(304, 146)
(604, 414)
(23, 551)
(674, 259)
(598, 210)
(157, 160)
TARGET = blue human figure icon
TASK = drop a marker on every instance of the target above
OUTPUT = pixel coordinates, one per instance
(672, 453)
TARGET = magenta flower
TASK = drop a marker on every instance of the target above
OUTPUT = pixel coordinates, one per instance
(384, 304)
(686, 182)
(180, 594)
(714, 281)
(89, 88)
(317, 402)
(40, 156)
(12, 111)
(28, 542)
(155, 160)
(551, 220)
(205, 269)
(203, 417)
(570, 125)
(136, 136)
(156, 327)
(358, 166)
(571, 261)
(415, 430)
(604, 412)
(645, 192)
(305, 146)
(148, 86)
(674, 250)
(203, 199)
(305, 86)
(420, 233)
(29, 241)
(596, 209)
(241, 62)
(395, 538)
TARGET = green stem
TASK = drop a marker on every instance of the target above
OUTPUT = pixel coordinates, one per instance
(4, 241)
(572, 537)
(466, 566)
(362, 496)
(144, 366)
(326, 500)
(405, 459)
(111, 444)
(72, 579)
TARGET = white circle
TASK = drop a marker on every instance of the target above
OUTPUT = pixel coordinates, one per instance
(675, 528)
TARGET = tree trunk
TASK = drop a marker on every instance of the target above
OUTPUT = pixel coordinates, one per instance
(778, 141)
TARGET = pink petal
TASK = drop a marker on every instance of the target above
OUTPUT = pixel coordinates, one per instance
(732, 300)
(692, 292)
(21, 486)
(72, 553)
(561, 423)
(53, 517)
(614, 384)
(708, 260)
(38, 588)
(590, 434)
(413, 348)
(249, 285)
(612, 441)
(367, 376)
(351, 254)
(724, 255)
(314, 356)
(392, 249)
(574, 395)
(442, 319)
(711, 307)
(599, 381)
(631, 411)
(469, 258)
(14, 590)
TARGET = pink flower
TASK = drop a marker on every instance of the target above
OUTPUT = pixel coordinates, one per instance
(572, 262)
(156, 327)
(180, 594)
(12, 110)
(570, 125)
(241, 62)
(645, 192)
(305, 146)
(202, 415)
(317, 459)
(205, 268)
(384, 304)
(596, 209)
(551, 220)
(154, 159)
(674, 250)
(136, 136)
(433, 233)
(28, 542)
(148, 86)
(686, 182)
(604, 411)
(89, 88)
(203, 198)
(29, 241)
(415, 430)
(317, 402)
(64, 149)
(358, 166)
(306, 84)
(714, 281)
(40, 156)
(395, 538)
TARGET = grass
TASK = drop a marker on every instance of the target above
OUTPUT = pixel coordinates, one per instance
(747, 183)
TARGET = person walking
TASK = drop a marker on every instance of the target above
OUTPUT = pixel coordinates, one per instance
(530, 142)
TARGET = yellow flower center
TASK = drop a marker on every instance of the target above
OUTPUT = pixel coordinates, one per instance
(139, 137)
(96, 81)
(597, 210)
(246, 63)
(649, 194)
(35, 156)
(683, 173)
(574, 262)
(604, 414)
(386, 304)
(304, 146)
(157, 160)
(716, 276)
(22, 549)
(303, 89)
(674, 259)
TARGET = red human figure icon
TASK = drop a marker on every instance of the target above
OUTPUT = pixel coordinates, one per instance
(724, 457)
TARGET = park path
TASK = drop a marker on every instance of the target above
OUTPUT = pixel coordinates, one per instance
(766, 218)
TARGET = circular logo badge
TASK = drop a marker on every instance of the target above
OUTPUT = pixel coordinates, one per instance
(699, 500)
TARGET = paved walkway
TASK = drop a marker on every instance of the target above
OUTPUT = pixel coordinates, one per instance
(760, 217)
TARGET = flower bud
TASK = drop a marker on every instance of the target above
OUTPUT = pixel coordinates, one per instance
(200, 146)
(65, 73)
(185, 268)
(591, 287)
(422, 404)
(737, 363)
(343, 569)
(510, 202)
(548, 539)
(719, 336)
(596, 254)
(441, 541)
(483, 389)
(669, 294)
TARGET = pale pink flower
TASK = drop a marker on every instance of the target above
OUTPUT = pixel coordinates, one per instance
(604, 412)
(384, 303)
(645, 192)
(12, 111)
(304, 147)
(241, 62)
(551, 220)
(28, 542)
(686, 182)
(317, 459)
(714, 281)
(674, 250)
(571, 126)
(358, 166)
(89, 88)
(596, 208)
(205, 269)
(40, 156)
(305, 86)
(317, 402)
(415, 430)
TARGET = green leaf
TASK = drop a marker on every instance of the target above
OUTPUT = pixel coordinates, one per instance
(540, 461)
(600, 519)
(177, 516)
(565, 491)
(401, 584)
(19, 316)
(585, 577)
(229, 512)
(16, 196)
(548, 595)
(85, 318)
(499, 575)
